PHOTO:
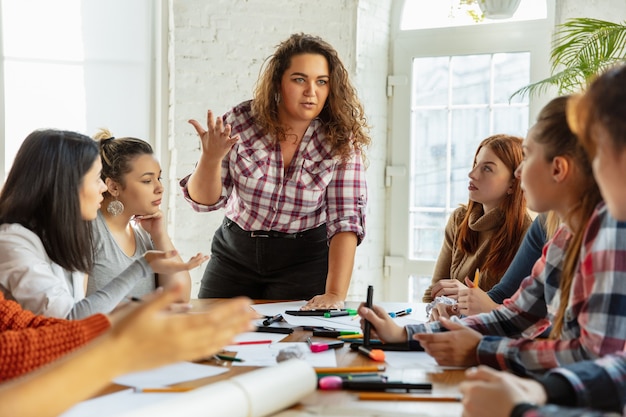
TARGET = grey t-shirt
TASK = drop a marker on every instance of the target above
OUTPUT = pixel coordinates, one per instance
(110, 259)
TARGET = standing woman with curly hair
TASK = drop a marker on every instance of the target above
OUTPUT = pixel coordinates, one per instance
(288, 166)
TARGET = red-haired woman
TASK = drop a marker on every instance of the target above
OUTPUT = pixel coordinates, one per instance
(486, 233)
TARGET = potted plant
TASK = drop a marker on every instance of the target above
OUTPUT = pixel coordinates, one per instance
(491, 9)
(582, 48)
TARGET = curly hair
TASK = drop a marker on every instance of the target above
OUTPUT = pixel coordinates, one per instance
(343, 117)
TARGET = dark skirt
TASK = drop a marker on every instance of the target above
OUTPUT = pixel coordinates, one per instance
(266, 265)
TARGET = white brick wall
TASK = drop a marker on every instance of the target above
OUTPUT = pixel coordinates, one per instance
(216, 51)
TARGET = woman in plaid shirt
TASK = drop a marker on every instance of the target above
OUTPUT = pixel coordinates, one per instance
(288, 168)
(578, 285)
(599, 119)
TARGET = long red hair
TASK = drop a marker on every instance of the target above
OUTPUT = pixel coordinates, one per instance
(509, 150)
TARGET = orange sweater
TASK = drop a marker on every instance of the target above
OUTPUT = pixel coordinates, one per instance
(28, 341)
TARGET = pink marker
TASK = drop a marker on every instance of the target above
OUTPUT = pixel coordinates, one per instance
(321, 347)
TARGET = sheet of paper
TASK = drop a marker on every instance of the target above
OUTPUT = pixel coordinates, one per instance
(255, 337)
(267, 354)
(115, 404)
(414, 360)
(271, 309)
(168, 375)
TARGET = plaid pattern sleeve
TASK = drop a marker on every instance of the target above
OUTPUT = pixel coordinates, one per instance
(316, 188)
(346, 198)
(594, 322)
(599, 382)
(558, 411)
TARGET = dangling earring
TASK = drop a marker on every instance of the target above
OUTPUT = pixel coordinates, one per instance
(115, 207)
(277, 98)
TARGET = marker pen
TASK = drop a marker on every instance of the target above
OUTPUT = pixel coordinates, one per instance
(340, 313)
(367, 326)
(374, 354)
(321, 347)
(270, 320)
(401, 312)
(335, 382)
(336, 333)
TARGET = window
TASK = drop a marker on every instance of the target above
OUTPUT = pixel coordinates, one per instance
(451, 88)
(76, 65)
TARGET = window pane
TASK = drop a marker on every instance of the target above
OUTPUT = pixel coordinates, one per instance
(510, 72)
(511, 120)
(427, 234)
(470, 79)
(430, 155)
(430, 81)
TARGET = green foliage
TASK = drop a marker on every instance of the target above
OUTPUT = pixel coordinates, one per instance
(582, 48)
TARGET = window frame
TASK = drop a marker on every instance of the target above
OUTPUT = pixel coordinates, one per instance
(533, 36)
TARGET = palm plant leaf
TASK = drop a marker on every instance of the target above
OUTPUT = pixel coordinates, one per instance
(582, 48)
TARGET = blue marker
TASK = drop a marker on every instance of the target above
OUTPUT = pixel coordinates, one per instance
(401, 313)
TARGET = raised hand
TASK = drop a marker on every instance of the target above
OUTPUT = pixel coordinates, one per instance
(215, 140)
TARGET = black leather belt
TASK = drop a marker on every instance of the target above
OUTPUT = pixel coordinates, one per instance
(274, 234)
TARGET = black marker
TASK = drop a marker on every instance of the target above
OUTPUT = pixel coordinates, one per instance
(367, 327)
(270, 320)
(311, 312)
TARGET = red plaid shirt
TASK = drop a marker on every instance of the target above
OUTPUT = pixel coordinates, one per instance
(317, 188)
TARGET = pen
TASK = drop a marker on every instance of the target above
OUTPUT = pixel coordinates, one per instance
(374, 354)
(367, 327)
(227, 358)
(349, 375)
(350, 369)
(270, 320)
(339, 313)
(401, 312)
(310, 312)
(166, 389)
(333, 382)
(321, 347)
(336, 333)
(253, 342)
(359, 340)
(281, 330)
(392, 396)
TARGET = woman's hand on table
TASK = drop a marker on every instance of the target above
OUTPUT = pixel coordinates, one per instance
(457, 347)
(383, 326)
(490, 393)
(324, 301)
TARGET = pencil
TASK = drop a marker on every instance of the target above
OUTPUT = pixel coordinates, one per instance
(166, 389)
(476, 278)
(350, 369)
(392, 396)
(253, 342)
